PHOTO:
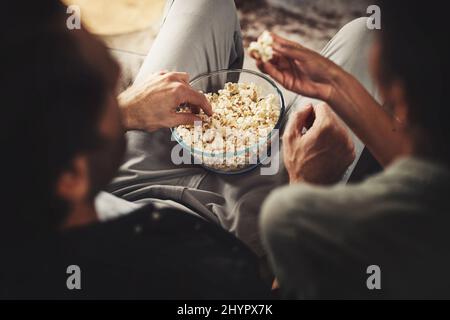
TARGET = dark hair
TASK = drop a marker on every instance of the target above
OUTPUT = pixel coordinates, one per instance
(52, 98)
(415, 51)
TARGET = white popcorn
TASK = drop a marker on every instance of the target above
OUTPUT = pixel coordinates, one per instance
(262, 48)
(240, 117)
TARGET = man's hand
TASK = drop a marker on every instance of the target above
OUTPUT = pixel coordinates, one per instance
(300, 69)
(322, 153)
(153, 104)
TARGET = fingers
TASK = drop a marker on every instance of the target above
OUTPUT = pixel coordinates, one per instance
(302, 117)
(322, 110)
(323, 113)
(289, 49)
(194, 108)
(323, 117)
(193, 97)
(291, 52)
(178, 76)
(327, 122)
(255, 55)
(284, 50)
(182, 76)
(185, 94)
(280, 61)
(278, 40)
(180, 118)
(281, 69)
(271, 70)
(298, 121)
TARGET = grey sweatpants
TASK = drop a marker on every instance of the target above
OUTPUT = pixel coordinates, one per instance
(199, 36)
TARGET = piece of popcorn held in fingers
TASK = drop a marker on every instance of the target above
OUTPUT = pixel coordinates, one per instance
(262, 48)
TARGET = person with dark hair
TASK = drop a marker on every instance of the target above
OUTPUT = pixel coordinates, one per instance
(386, 237)
(64, 137)
(63, 141)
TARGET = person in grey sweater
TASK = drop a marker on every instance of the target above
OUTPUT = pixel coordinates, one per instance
(386, 237)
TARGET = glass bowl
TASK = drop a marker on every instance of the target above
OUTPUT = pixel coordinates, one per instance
(244, 159)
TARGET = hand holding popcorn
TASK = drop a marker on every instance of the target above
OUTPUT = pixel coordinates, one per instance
(262, 48)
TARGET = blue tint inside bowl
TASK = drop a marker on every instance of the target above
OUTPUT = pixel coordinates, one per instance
(212, 82)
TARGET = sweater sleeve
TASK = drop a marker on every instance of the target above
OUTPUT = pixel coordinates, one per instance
(311, 235)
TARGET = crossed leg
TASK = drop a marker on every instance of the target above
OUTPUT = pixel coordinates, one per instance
(199, 36)
(196, 36)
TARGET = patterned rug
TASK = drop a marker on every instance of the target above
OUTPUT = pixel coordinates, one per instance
(311, 22)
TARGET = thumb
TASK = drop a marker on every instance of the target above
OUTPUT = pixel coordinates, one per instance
(323, 113)
(272, 70)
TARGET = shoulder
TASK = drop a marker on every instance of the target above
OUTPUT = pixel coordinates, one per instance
(304, 199)
(304, 208)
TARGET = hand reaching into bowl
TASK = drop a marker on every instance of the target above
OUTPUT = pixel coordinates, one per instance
(153, 104)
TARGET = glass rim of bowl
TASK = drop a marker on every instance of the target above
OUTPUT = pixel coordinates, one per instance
(197, 152)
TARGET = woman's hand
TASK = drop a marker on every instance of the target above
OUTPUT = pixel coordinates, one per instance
(322, 153)
(300, 69)
(308, 73)
(153, 104)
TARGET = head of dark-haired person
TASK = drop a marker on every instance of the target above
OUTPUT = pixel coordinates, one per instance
(61, 133)
(412, 65)
(62, 142)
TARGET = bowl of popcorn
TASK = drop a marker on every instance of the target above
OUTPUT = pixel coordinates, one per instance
(247, 111)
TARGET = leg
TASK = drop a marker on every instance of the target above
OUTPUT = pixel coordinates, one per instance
(243, 196)
(196, 36)
(235, 201)
(354, 37)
